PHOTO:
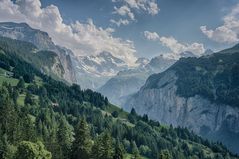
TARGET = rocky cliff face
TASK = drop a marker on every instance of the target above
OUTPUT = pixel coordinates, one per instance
(23, 32)
(162, 103)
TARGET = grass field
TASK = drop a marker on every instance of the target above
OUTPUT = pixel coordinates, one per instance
(21, 99)
(129, 156)
(10, 80)
(112, 108)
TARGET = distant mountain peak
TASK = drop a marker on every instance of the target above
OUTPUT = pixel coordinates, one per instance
(142, 61)
(208, 52)
(187, 54)
(102, 64)
(105, 53)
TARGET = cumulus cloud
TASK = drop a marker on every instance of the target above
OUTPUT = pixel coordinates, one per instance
(175, 47)
(131, 7)
(150, 6)
(82, 38)
(228, 32)
(151, 35)
(120, 22)
(124, 11)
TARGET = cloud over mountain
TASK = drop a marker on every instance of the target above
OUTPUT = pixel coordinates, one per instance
(175, 47)
(82, 38)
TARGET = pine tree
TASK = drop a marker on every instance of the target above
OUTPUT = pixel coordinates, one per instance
(107, 146)
(102, 148)
(15, 95)
(29, 150)
(119, 152)
(64, 137)
(135, 151)
(9, 121)
(21, 85)
(82, 144)
(29, 99)
(165, 154)
(27, 128)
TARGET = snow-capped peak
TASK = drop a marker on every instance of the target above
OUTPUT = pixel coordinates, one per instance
(103, 64)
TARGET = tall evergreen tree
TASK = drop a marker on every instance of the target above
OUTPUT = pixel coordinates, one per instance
(29, 99)
(165, 154)
(21, 85)
(119, 152)
(82, 143)
(102, 148)
(107, 146)
(29, 150)
(9, 121)
(135, 151)
(64, 137)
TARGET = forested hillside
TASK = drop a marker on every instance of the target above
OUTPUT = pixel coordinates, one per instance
(44, 118)
(46, 61)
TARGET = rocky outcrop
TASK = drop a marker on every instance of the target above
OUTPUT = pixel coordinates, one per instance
(23, 32)
(161, 103)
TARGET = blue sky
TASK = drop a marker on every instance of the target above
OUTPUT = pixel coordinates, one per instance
(131, 28)
(178, 18)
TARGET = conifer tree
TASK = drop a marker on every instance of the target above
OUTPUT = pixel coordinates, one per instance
(165, 154)
(119, 152)
(102, 148)
(64, 137)
(8, 116)
(107, 146)
(135, 151)
(21, 85)
(82, 143)
(29, 99)
(29, 150)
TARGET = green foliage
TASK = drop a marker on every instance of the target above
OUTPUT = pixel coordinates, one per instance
(135, 151)
(119, 150)
(29, 99)
(64, 137)
(165, 154)
(29, 150)
(82, 144)
(21, 84)
(115, 114)
(103, 148)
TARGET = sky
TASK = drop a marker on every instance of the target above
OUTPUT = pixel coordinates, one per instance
(131, 28)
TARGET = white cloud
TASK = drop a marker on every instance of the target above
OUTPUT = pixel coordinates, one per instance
(131, 7)
(151, 35)
(120, 22)
(83, 39)
(124, 11)
(149, 6)
(175, 46)
(228, 32)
